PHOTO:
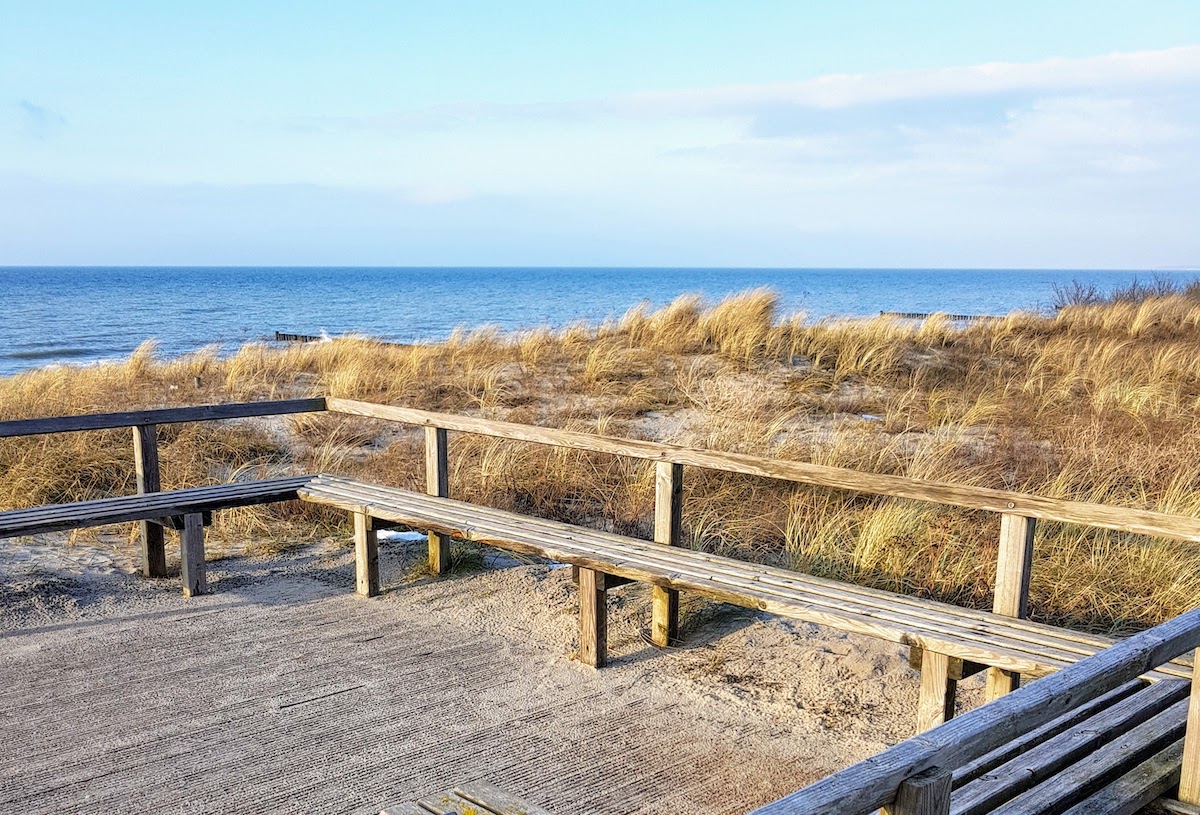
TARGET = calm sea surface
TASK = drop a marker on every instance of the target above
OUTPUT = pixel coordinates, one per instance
(82, 315)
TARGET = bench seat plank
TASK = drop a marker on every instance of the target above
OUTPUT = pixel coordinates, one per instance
(1096, 770)
(1017, 746)
(1040, 762)
(149, 506)
(1018, 645)
(477, 798)
(1137, 788)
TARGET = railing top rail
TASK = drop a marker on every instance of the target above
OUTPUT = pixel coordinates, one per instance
(871, 784)
(1145, 522)
(199, 413)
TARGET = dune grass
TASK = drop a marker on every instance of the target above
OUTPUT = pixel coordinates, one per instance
(1098, 402)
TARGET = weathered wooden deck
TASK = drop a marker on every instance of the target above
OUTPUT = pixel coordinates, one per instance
(283, 691)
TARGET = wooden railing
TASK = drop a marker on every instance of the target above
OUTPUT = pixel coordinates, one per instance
(972, 734)
(135, 418)
(914, 777)
(145, 446)
(1019, 512)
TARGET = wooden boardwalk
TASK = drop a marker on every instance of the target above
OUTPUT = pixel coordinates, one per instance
(283, 691)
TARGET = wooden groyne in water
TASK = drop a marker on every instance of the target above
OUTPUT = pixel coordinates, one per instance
(920, 315)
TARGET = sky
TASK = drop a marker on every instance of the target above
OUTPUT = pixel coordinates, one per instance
(792, 134)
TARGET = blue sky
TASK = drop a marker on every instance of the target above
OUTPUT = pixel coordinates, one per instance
(1047, 134)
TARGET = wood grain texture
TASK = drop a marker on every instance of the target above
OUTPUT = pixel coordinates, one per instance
(191, 556)
(145, 462)
(476, 798)
(150, 506)
(593, 618)
(1039, 763)
(1189, 780)
(959, 668)
(1138, 521)
(1178, 807)
(1134, 790)
(668, 530)
(366, 555)
(925, 794)
(664, 616)
(1014, 564)
(437, 482)
(199, 413)
(976, 636)
(938, 691)
(1103, 765)
(1017, 746)
(873, 783)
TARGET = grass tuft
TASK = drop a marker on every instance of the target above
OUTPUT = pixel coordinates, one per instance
(1098, 401)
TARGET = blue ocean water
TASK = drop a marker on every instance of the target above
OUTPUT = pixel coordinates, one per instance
(81, 315)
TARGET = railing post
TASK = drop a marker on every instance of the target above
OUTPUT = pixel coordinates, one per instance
(926, 793)
(668, 524)
(437, 482)
(145, 460)
(1189, 774)
(1014, 561)
(366, 555)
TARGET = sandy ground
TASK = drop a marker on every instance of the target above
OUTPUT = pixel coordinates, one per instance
(282, 690)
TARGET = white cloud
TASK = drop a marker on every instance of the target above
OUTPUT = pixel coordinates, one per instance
(1112, 72)
(1135, 71)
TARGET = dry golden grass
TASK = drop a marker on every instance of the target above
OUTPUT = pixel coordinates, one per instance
(1099, 402)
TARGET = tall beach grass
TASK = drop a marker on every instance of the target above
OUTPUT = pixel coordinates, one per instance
(1099, 401)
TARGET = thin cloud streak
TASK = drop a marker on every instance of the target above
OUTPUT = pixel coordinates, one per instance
(1111, 73)
(39, 121)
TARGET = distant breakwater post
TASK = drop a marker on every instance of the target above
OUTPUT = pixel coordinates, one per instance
(281, 336)
(958, 318)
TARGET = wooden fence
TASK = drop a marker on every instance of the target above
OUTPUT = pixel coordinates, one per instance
(1019, 512)
(144, 424)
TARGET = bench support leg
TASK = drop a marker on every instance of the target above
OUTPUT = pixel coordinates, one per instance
(439, 553)
(593, 618)
(664, 616)
(191, 555)
(366, 555)
(154, 550)
(936, 703)
(926, 793)
(1189, 775)
(1000, 682)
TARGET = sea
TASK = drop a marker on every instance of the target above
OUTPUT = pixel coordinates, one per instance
(86, 315)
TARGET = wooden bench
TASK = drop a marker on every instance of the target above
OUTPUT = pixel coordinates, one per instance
(186, 510)
(478, 798)
(949, 641)
(1092, 739)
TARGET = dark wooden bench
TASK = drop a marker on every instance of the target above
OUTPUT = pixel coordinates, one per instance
(1092, 739)
(949, 641)
(186, 510)
(477, 798)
